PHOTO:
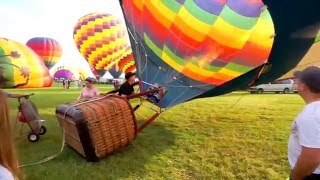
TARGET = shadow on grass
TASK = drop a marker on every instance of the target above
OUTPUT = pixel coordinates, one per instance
(129, 162)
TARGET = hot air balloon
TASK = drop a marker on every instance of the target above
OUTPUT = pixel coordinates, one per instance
(66, 72)
(290, 44)
(115, 72)
(48, 49)
(102, 39)
(312, 58)
(83, 74)
(127, 64)
(20, 67)
(191, 47)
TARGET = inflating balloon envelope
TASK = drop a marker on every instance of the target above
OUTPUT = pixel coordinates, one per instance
(190, 47)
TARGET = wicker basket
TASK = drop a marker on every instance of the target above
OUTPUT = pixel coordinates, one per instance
(99, 126)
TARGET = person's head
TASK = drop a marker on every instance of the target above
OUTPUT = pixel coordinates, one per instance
(308, 82)
(7, 154)
(88, 82)
(130, 77)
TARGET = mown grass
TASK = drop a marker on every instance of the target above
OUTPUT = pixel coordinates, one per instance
(213, 138)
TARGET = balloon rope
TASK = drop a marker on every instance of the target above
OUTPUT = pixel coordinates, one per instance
(63, 135)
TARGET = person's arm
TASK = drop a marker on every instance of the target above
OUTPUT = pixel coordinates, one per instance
(309, 159)
(307, 162)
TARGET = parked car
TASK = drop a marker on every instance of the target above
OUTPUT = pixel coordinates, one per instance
(281, 86)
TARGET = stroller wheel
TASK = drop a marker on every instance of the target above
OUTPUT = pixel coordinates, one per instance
(33, 137)
(42, 130)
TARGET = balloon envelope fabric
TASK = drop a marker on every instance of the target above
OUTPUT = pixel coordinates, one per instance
(102, 40)
(66, 72)
(192, 46)
(127, 64)
(20, 67)
(48, 49)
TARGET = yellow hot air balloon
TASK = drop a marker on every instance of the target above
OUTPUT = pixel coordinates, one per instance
(20, 67)
(102, 39)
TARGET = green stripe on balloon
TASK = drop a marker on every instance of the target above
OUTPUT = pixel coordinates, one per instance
(199, 13)
(318, 37)
(153, 46)
(173, 5)
(238, 68)
(182, 62)
(237, 20)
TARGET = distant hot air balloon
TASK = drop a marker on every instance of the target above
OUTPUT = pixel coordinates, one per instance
(66, 72)
(102, 39)
(47, 48)
(20, 67)
(115, 72)
(83, 74)
(127, 64)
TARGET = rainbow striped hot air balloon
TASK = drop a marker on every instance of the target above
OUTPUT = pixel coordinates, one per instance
(47, 48)
(191, 47)
(102, 39)
(20, 67)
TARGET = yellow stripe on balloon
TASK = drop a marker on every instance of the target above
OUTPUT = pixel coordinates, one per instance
(221, 75)
(193, 22)
(229, 35)
(262, 34)
(165, 17)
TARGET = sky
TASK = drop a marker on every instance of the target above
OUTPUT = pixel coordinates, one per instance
(22, 20)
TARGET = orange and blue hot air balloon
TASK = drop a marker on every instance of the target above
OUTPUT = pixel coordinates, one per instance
(47, 48)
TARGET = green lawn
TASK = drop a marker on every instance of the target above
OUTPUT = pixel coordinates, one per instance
(214, 138)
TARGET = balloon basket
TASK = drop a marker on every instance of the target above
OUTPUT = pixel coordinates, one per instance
(100, 126)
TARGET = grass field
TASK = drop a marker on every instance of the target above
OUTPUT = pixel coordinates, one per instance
(214, 138)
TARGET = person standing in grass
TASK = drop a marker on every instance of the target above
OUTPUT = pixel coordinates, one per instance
(9, 166)
(89, 90)
(304, 141)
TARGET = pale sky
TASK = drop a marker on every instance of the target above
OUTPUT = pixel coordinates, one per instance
(22, 20)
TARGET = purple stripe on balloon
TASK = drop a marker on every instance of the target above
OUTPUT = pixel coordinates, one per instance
(213, 6)
(247, 8)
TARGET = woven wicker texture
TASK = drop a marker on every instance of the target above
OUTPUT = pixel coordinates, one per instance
(111, 123)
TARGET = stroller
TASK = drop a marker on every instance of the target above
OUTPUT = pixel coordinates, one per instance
(28, 114)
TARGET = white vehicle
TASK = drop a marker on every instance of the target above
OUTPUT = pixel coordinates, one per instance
(281, 86)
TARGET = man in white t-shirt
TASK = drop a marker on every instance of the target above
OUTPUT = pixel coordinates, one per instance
(304, 141)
